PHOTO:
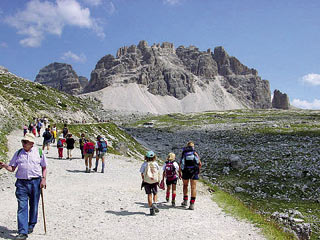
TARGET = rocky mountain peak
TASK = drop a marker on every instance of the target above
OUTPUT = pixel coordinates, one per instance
(280, 100)
(62, 77)
(166, 71)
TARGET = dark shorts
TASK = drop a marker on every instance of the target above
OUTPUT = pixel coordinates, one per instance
(151, 188)
(187, 175)
(171, 182)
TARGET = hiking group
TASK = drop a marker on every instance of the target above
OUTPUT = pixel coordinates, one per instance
(187, 169)
(31, 165)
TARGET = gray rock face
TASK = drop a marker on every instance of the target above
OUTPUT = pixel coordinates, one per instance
(60, 76)
(280, 100)
(83, 81)
(175, 72)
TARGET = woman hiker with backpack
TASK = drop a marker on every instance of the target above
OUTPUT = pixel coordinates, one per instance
(82, 141)
(190, 165)
(88, 150)
(70, 145)
(60, 144)
(170, 170)
(150, 173)
(101, 150)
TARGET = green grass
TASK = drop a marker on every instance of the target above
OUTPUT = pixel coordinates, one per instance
(235, 207)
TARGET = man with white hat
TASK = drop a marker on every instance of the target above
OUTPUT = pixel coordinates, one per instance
(31, 176)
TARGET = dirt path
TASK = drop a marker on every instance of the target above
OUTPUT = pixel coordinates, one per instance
(85, 206)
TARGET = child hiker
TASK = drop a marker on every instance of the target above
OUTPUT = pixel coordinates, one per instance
(60, 143)
(170, 171)
(150, 173)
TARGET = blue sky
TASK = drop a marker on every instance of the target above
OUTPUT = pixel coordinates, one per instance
(279, 38)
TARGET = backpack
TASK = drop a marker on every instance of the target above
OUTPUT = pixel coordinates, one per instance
(151, 173)
(102, 146)
(47, 135)
(90, 149)
(190, 162)
(59, 144)
(170, 171)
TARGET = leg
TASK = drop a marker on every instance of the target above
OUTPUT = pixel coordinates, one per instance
(185, 192)
(90, 161)
(150, 200)
(22, 214)
(174, 187)
(34, 202)
(168, 193)
(193, 193)
(102, 160)
(86, 161)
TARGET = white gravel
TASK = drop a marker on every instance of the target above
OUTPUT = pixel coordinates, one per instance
(85, 206)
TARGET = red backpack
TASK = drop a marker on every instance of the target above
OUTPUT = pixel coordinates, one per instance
(170, 171)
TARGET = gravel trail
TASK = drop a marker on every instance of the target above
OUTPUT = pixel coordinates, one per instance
(86, 206)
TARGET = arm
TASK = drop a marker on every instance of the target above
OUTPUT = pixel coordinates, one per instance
(142, 176)
(7, 167)
(43, 183)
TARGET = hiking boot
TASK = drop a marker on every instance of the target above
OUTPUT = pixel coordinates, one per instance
(167, 199)
(30, 230)
(102, 170)
(152, 213)
(155, 207)
(173, 203)
(191, 207)
(87, 170)
(22, 236)
(94, 169)
(184, 203)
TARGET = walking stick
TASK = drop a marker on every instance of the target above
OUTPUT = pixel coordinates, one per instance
(44, 217)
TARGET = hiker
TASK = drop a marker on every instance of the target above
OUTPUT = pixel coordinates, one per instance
(190, 165)
(101, 150)
(31, 176)
(70, 145)
(25, 129)
(82, 141)
(46, 139)
(65, 131)
(54, 133)
(39, 126)
(33, 130)
(170, 170)
(150, 173)
(60, 144)
(88, 149)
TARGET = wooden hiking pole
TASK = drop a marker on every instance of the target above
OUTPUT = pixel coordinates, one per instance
(44, 217)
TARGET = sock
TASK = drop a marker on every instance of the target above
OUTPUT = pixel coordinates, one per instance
(185, 197)
(173, 197)
(193, 199)
(167, 195)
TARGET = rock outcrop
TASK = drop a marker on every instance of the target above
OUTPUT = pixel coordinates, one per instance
(166, 71)
(62, 77)
(280, 100)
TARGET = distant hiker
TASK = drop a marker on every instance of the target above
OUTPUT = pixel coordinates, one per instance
(54, 133)
(88, 149)
(25, 130)
(60, 144)
(101, 151)
(46, 139)
(45, 122)
(170, 170)
(190, 165)
(31, 176)
(30, 127)
(82, 141)
(39, 126)
(65, 130)
(70, 145)
(150, 173)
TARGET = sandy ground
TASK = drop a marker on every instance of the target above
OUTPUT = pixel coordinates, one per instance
(80, 205)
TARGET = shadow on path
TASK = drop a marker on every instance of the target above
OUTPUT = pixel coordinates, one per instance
(76, 171)
(5, 233)
(125, 213)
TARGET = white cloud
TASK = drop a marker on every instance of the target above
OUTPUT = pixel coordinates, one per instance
(93, 2)
(3, 45)
(74, 57)
(111, 8)
(44, 17)
(305, 104)
(172, 2)
(312, 79)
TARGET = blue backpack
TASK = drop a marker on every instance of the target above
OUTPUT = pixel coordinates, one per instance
(102, 146)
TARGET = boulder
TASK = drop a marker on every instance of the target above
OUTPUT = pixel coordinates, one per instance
(280, 100)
